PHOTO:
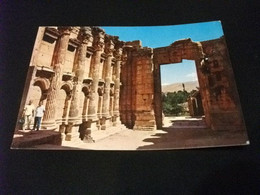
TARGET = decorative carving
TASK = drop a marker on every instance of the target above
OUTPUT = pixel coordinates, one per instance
(85, 34)
(109, 45)
(98, 42)
(118, 50)
(64, 30)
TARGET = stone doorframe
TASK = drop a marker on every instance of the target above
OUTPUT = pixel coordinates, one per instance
(175, 53)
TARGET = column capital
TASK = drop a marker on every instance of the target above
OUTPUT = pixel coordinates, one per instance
(119, 50)
(64, 30)
(109, 44)
(99, 36)
(85, 34)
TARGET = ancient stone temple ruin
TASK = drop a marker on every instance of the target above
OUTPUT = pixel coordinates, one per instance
(89, 80)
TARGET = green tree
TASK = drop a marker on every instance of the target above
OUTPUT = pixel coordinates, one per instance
(171, 101)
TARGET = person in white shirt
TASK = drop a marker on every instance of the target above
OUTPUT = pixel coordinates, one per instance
(39, 112)
(28, 114)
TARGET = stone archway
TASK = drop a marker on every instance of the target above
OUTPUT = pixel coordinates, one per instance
(64, 98)
(175, 53)
(39, 90)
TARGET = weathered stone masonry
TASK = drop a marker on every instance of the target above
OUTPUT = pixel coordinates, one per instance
(89, 80)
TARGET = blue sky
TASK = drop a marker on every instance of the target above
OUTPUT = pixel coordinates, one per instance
(161, 36)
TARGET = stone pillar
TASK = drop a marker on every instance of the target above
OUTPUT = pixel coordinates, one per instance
(98, 44)
(144, 90)
(123, 94)
(75, 119)
(118, 56)
(58, 63)
(157, 95)
(128, 90)
(109, 48)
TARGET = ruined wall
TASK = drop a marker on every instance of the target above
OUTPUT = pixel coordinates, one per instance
(143, 83)
(224, 105)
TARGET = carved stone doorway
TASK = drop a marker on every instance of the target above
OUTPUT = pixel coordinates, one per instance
(175, 53)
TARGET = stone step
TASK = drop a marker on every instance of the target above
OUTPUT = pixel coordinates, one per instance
(188, 124)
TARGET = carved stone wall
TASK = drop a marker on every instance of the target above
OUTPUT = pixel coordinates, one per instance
(224, 105)
(143, 85)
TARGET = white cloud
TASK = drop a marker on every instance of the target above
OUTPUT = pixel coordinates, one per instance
(192, 76)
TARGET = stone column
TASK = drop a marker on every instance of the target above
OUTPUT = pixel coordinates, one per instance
(157, 95)
(98, 44)
(123, 94)
(128, 88)
(109, 48)
(58, 63)
(118, 56)
(74, 119)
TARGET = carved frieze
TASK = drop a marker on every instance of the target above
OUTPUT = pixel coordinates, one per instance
(109, 45)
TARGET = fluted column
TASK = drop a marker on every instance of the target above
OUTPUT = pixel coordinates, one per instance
(98, 44)
(109, 48)
(118, 56)
(74, 114)
(59, 60)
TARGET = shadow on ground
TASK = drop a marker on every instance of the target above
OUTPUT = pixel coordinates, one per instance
(29, 139)
(180, 138)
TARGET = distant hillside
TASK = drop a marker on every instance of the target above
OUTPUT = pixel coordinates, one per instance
(189, 86)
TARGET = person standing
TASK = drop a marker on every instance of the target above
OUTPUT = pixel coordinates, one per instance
(39, 112)
(28, 113)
